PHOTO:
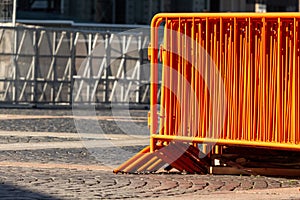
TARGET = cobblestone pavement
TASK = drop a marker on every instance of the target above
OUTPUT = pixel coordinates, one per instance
(62, 120)
(56, 165)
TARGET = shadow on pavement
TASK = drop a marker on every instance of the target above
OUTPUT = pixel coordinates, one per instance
(9, 192)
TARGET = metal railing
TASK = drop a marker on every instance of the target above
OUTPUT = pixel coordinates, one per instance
(70, 24)
(229, 79)
(40, 66)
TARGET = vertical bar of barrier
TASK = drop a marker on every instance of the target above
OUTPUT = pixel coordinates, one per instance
(249, 78)
(183, 76)
(262, 46)
(187, 76)
(228, 72)
(199, 78)
(176, 67)
(288, 70)
(259, 86)
(164, 84)
(232, 78)
(179, 87)
(15, 77)
(194, 102)
(206, 74)
(154, 80)
(213, 69)
(73, 66)
(279, 84)
(173, 82)
(107, 66)
(275, 84)
(290, 82)
(257, 60)
(167, 72)
(166, 62)
(297, 85)
(210, 122)
(270, 65)
(34, 94)
(293, 84)
(243, 75)
(226, 50)
(285, 47)
(235, 82)
(174, 78)
(222, 72)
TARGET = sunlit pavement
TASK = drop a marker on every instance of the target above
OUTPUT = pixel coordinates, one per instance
(42, 157)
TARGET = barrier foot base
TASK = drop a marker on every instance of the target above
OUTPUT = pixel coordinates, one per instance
(178, 155)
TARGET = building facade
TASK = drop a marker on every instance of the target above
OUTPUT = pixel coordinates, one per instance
(138, 11)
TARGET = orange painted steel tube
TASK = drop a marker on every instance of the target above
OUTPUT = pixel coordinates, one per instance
(256, 56)
(273, 145)
(154, 78)
(132, 160)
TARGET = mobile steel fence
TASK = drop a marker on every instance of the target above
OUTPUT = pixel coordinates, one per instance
(238, 69)
(51, 66)
(228, 79)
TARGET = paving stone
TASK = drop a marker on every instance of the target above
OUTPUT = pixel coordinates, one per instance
(68, 125)
(18, 182)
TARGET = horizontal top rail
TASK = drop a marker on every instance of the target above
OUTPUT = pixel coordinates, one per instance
(73, 30)
(227, 15)
(69, 24)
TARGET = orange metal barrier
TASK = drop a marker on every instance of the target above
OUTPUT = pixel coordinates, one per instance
(257, 58)
(227, 79)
